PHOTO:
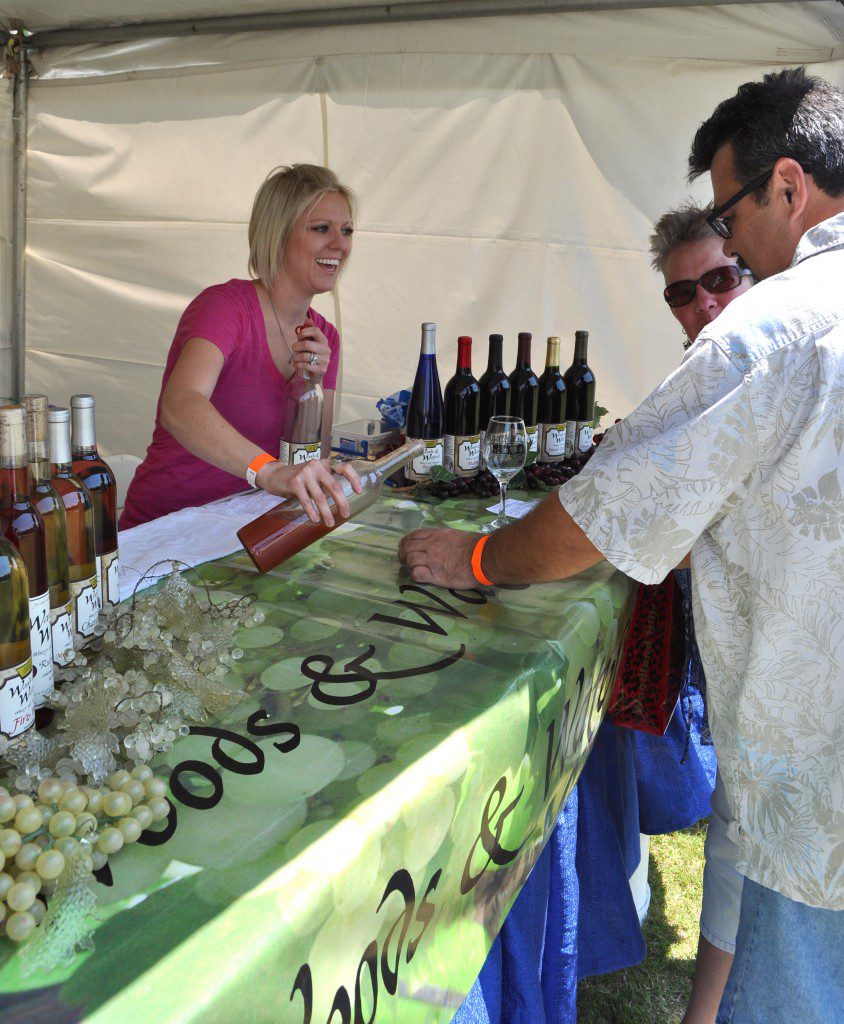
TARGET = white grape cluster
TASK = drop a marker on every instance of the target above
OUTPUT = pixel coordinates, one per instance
(38, 834)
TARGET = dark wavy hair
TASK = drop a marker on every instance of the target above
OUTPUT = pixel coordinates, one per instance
(789, 113)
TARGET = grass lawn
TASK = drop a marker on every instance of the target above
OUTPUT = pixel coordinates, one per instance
(656, 991)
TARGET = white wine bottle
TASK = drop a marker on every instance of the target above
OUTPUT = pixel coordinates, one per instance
(97, 476)
(16, 707)
(287, 529)
(50, 505)
(81, 539)
(23, 527)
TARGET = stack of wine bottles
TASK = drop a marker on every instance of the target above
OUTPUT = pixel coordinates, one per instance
(58, 549)
(558, 408)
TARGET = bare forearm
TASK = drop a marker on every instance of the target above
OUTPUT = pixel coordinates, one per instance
(197, 426)
(545, 545)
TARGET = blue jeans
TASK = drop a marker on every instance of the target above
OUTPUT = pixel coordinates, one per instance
(789, 963)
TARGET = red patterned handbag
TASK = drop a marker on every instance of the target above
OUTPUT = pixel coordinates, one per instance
(651, 671)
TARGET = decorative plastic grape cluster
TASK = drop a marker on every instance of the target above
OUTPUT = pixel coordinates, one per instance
(67, 802)
(159, 663)
(66, 824)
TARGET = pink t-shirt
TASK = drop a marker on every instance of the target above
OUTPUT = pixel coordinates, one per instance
(249, 394)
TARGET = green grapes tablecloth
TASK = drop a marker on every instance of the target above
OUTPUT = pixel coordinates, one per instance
(346, 840)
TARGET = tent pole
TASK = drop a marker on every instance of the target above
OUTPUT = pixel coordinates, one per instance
(20, 118)
(372, 14)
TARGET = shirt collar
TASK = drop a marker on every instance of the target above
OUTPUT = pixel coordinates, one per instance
(823, 237)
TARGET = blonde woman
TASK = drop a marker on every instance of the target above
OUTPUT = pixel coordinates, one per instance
(237, 346)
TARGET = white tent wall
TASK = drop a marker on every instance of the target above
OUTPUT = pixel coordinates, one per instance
(5, 237)
(509, 172)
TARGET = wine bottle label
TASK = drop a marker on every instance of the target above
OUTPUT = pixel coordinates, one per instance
(86, 608)
(462, 453)
(61, 625)
(110, 579)
(299, 453)
(570, 429)
(532, 439)
(41, 640)
(420, 468)
(583, 433)
(16, 709)
(578, 437)
(552, 444)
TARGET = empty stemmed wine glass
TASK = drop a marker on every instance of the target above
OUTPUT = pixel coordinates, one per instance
(505, 448)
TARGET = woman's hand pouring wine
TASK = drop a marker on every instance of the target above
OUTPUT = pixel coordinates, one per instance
(314, 483)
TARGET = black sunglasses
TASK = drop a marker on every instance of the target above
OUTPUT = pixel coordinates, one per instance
(715, 281)
(716, 219)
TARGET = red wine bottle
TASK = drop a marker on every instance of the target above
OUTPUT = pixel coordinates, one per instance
(425, 414)
(526, 392)
(23, 527)
(461, 450)
(552, 407)
(580, 398)
(496, 389)
(99, 479)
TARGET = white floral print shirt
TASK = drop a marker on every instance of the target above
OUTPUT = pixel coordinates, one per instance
(737, 457)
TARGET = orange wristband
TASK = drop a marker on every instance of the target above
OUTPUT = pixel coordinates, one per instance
(477, 571)
(257, 463)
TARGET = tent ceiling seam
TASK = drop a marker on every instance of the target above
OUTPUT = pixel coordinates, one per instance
(815, 56)
(425, 10)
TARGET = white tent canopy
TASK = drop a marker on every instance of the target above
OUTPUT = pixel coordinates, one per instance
(509, 171)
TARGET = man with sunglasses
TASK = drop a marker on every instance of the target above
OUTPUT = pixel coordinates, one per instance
(737, 457)
(700, 282)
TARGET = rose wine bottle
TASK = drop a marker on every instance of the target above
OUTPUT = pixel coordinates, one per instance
(81, 539)
(580, 399)
(425, 413)
(286, 530)
(526, 392)
(23, 527)
(552, 407)
(99, 479)
(301, 432)
(48, 502)
(462, 399)
(16, 708)
(496, 389)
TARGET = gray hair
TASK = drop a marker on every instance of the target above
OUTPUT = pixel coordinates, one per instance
(678, 227)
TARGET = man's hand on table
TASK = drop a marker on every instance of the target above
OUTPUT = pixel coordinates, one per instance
(545, 545)
(442, 557)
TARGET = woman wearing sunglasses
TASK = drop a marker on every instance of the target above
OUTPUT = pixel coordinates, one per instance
(699, 279)
(699, 282)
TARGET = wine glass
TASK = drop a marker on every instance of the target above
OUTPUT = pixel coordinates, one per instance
(505, 448)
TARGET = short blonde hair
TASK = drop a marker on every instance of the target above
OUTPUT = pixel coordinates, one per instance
(287, 192)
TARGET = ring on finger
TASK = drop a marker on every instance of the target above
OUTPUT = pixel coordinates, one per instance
(313, 360)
